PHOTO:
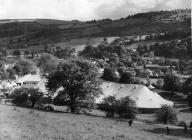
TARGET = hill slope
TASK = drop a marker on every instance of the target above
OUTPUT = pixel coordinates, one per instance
(140, 23)
(21, 123)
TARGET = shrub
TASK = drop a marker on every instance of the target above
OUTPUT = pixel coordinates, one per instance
(109, 106)
(109, 75)
(126, 108)
(126, 78)
(166, 114)
(26, 96)
(171, 83)
(19, 97)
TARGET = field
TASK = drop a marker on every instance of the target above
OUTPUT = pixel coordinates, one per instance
(78, 44)
(27, 124)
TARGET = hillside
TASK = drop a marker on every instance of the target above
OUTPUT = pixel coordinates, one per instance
(151, 22)
(21, 123)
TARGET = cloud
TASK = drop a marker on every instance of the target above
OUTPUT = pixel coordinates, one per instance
(84, 9)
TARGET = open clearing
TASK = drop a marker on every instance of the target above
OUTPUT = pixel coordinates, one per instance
(26, 124)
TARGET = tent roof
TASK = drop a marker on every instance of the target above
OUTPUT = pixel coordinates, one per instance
(143, 97)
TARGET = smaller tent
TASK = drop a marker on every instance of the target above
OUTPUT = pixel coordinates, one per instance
(151, 87)
(29, 78)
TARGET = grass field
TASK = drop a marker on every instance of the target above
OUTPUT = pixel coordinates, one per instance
(26, 124)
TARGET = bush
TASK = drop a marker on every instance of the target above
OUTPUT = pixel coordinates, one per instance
(110, 75)
(166, 114)
(126, 78)
(123, 108)
(160, 83)
(126, 108)
(26, 96)
(109, 106)
(171, 83)
(20, 98)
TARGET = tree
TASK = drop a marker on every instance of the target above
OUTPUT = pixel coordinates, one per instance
(19, 97)
(17, 53)
(187, 90)
(26, 96)
(26, 53)
(3, 52)
(166, 114)
(187, 86)
(34, 95)
(126, 108)
(11, 73)
(3, 73)
(171, 83)
(123, 107)
(24, 67)
(109, 75)
(126, 78)
(160, 83)
(48, 63)
(79, 80)
(109, 106)
(189, 98)
(64, 53)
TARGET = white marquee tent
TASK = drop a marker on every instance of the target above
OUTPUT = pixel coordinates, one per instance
(143, 96)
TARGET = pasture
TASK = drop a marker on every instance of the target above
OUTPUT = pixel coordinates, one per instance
(18, 123)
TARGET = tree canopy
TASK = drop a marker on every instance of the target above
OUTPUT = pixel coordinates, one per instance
(109, 75)
(187, 86)
(79, 80)
(24, 67)
(171, 83)
(47, 63)
(166, 114)
(126, 78)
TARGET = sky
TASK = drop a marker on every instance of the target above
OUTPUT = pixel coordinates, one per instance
(83, 9)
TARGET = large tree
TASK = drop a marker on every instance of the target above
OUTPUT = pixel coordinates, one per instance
(80, 82)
